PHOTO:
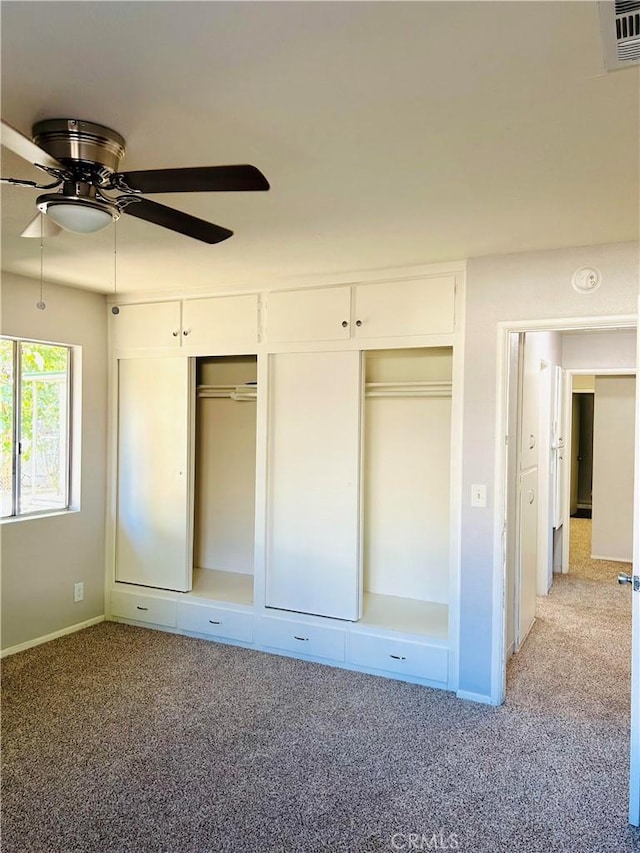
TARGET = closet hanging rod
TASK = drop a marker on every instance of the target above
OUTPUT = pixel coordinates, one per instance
(417, 388)
(230, 392)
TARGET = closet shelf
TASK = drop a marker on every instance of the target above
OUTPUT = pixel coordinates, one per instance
(231, 392)
(417, 388)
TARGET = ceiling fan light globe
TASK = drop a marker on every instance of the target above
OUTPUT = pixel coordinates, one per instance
(81, 216)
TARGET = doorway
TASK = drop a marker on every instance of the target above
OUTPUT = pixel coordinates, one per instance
(581, 451)
(520, 440)
(552, 409)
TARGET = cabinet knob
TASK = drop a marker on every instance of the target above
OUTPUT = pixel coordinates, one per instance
(186, 332)
(358, 322)
(175, 334)
(345, 324)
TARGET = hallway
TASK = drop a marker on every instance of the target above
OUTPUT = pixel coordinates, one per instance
(572, 676)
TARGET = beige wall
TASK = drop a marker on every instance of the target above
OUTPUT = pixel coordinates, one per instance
(519, 287)
(42, 558)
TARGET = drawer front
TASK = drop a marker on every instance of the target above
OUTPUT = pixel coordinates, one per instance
(144, 608)
(216, 622)
(400, 656)
(297, 637)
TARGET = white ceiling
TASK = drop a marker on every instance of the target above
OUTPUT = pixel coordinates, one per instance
(393, 134)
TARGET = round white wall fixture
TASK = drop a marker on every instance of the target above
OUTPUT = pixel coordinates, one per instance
(586, 279)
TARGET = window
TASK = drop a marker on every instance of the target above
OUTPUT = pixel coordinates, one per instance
(36, 406)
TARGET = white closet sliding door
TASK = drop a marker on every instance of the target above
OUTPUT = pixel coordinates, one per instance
(313, 550)
(154, 529)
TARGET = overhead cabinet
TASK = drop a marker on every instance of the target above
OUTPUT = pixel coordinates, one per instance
(413, 307)
(155, 325)
(220, 324)
(322, 314)
(422, 306)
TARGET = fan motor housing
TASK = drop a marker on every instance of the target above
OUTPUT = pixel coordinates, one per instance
(73, 140)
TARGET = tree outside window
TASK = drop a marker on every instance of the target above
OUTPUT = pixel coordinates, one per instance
(34, 471)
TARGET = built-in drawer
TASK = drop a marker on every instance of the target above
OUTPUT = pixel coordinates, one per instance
(300, 638)
(404, 657)
(216, 621)
(143, 608)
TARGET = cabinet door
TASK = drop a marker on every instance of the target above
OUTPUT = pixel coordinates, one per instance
(309, 315)
(394, 309)
(154, 325)
(313, 553)
(153, 530)
(220, 324)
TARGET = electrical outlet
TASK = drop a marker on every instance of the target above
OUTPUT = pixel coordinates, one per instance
(479, 495)
(78, 592)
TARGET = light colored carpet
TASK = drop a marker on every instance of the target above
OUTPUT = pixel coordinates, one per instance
(125, 740)
(580, 563)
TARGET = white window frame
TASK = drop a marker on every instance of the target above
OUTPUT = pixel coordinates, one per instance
(16, 461)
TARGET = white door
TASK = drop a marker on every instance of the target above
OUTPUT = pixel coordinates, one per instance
(545, 481)
(313, 547)
(153, 528)
(558, 448)
(527, 553)
(527, 529)
(634, 784)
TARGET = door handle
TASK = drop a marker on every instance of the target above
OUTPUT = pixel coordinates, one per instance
(634, 580)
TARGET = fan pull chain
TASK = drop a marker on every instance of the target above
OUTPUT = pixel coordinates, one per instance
(41, 304)
(115, 257)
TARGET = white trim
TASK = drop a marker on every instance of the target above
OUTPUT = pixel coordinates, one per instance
(38, 641)
(293, 282)
(504, 329)
(610, 559)
(482, 698)
(455, 498)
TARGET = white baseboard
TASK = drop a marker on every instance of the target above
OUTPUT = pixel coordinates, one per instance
(611, 559)
(38, 641)
(482, 698)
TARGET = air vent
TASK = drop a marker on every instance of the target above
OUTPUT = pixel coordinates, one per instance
(620, 23)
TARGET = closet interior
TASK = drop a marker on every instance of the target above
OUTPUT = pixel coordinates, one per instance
(225, 478)
(406, 489)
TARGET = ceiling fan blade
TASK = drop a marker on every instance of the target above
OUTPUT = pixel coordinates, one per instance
(175, 220)
(41, 226)
(195, 180)
(25, 148)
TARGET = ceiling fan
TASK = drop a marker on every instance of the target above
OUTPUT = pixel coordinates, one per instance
(83, 158)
